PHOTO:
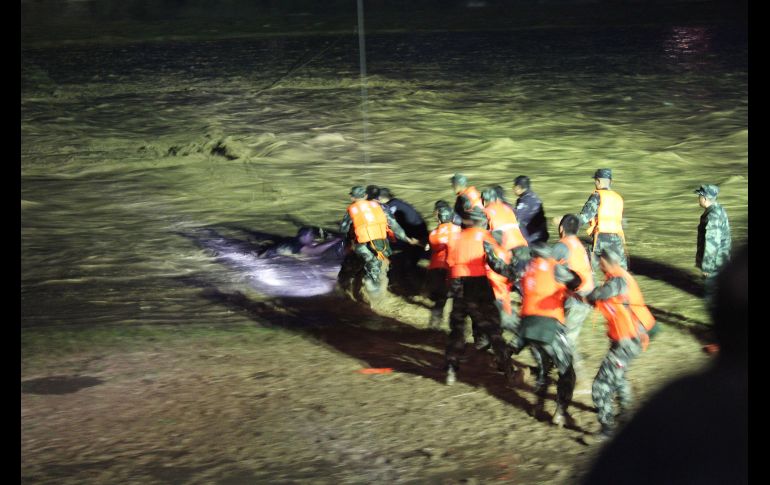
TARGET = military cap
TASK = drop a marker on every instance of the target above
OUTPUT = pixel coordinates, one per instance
(475, 214)
(488, 195)
(708, 191)
(372, 191)
(603, 173)
(459, 179)
(358, 192)
(441, 203)
(610, 255)
(445, 213)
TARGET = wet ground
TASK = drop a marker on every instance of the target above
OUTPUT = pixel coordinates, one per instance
(280, 397)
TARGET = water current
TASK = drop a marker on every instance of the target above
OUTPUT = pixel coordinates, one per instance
(134, 155)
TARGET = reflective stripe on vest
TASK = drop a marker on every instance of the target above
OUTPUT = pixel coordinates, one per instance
(369, 221)
(542, 295)
(502, 218)
(578, 262)
(438, 239)
(465, 255)
(609, 215)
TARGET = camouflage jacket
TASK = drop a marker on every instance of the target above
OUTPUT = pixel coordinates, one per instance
(398, 231)
(714, 240)
(614, 286)
(562, 273)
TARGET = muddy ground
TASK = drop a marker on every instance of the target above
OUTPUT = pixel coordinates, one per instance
(279, 398)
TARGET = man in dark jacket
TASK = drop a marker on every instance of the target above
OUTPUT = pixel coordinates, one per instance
(406, 256)
(529, 212)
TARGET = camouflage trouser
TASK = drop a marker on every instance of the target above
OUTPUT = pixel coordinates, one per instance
(575, 313)
(611, 241)
(363, 258)
(508, 321)
(709, 288)
(438, 291)
(479, 306)
(558, 353)
(611, 379)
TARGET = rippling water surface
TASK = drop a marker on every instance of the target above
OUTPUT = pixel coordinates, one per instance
(129, 151)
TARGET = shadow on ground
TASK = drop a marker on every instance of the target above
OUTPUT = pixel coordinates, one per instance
(377, 340)
(676, 277)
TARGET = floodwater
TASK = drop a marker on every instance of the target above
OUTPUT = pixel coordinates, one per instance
(130, 150)
(153, 176)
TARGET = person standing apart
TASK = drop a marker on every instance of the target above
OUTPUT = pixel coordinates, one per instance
(714, 239)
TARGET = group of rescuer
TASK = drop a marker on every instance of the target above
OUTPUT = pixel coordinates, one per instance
(483, 248)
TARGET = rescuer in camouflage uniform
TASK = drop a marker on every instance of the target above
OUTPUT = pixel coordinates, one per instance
(590, 211)
(467, 196)
(437, 277)
(371, 254)
(472, 296)
(575, 309)
(626, 342)
(714, 240)
(543, 333)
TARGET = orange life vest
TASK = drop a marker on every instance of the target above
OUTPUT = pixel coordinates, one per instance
(438, 239)
(609, 215)
(542, 295)
(369, 221)
(474, 196)
(624, 313)
(465, 253)
(502, 218)
(501, 287)
(579, 263)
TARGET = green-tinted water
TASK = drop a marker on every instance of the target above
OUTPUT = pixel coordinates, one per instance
(119, 152)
